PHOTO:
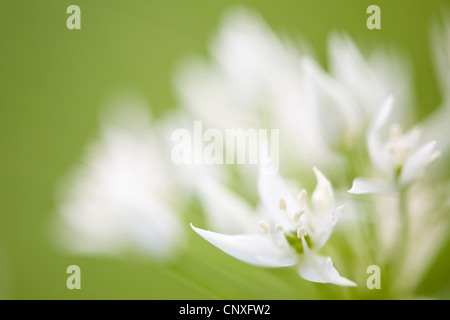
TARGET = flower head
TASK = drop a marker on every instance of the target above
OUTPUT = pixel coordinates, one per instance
(119, 200)
(399, 159)
(291, 231)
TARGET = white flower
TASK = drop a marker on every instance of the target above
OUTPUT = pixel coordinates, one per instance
(226, 211)
(254, 80)
(440, 37)
(119, 199)
(290, 232)
(400, 159)
(257, 78)
(369, 79)
(338, 115)
(347, 96)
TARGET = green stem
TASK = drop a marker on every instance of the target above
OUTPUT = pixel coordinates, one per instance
(403, 209)
(355, 160)
(402, 242)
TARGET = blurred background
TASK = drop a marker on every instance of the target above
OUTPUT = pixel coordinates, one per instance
(54, 82)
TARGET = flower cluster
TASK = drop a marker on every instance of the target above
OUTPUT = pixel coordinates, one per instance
(400, 159)
(291, 231)
(128, 193)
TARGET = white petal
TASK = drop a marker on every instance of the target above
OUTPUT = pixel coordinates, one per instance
(370, 186)
(352, 70)
(154, 227)
(375, 145)
(226, 212)
(323, 196)
(386, 109)
(412, 137)
(321, 227)
(316, 268)
(272, 191)
(369, 78)
(119, 198)
(417, 162)
(257, 249)
(338, 113)
(441, 51)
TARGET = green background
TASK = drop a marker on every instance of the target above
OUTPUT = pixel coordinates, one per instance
(53, 82)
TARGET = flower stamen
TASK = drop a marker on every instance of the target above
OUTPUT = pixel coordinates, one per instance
(301, 232)
(298, 214)
(283, 204)
(302, 197)
(264, 226)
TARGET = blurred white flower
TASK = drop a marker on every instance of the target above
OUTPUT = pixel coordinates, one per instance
(348, 96)
(121, 198)
(429, 226)
(190, 174)
(440, 41)
(369, 80)
(253, 81)
(339, 117)
(291, 232)
(248, 63)
(436, 124)
(258, 79)
(400, 159)
(226, 211)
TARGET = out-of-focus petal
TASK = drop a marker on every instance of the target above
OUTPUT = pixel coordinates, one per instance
(440, 36)
(226, 212)
(121, 198)
(370, 186)
(417, 162)
(154, 227)
(323, 196)
(369, 79)
(340, 117)
(374, 142)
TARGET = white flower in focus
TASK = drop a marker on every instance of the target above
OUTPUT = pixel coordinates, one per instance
(291, 232)
(119, 199)
(399, 159)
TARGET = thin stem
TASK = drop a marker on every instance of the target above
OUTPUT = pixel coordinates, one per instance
(403, 210)
(355, 160)
(400, 253)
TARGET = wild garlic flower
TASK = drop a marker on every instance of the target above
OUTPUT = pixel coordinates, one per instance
(256, 78)
(399, 159)
(119, 199)
(369, 79)
(291, 232)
